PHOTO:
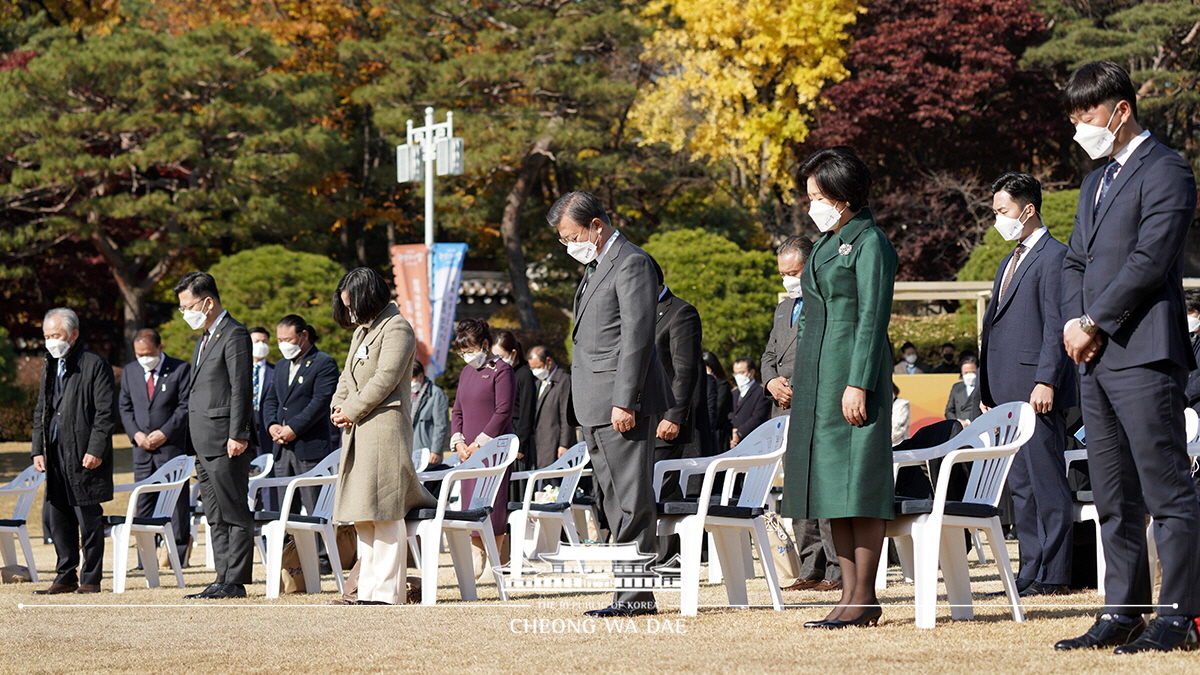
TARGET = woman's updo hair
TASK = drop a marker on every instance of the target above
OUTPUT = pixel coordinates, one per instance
(840, 175)
(472, 333)
(509, 342)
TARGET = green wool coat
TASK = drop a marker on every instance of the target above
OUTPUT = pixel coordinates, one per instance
(833, 469)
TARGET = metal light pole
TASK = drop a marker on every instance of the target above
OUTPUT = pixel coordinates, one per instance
(415, 159)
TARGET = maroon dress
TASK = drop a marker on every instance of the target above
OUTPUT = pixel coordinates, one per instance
(484, 404)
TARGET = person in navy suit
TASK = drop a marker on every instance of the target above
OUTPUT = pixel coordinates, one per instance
(296, 407)
(153, 404)
(1022, 359)
(262, 380)
(751, 407)
(1126, 328)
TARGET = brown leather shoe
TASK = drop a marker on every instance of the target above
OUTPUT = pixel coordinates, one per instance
(827, 585)
(88, 588)
(56, 589)
(803, 585)
(339, 602)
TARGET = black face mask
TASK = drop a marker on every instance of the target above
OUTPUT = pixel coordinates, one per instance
(948, 357)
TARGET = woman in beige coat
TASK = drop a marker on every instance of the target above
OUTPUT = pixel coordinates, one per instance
(377, 484)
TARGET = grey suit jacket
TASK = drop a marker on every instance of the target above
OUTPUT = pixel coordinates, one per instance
(166, 412)
(552, 426)
(779, 358)
(220, 399)
(614, 359)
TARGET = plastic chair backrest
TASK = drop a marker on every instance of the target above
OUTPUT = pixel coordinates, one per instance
(1191, 424)
(500, 451)
(764, 439)
(756, 487)
(420, 459)
(1081, 435)
(1005, 425)
(576, 457)
(264, 464)
(27, 482)
(177, 469)
(323, 508)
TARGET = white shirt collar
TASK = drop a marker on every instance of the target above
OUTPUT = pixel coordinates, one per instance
(607, 245)
(1034, 237)
(217, 323)
(1127, 151)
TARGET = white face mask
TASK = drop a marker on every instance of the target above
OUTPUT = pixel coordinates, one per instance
(1097, 141)
(260, 350)
(792, 286)
(1193, 324)
(1009, 228)
(58, 348)
(289, 350)
(149, 363)
(969, 379)
(511, 360)
(195, 318)
(475, 359)
(741, 380)
(583, 252)
(911, 358)
(540, 373)
(826, 216)
(416, 386)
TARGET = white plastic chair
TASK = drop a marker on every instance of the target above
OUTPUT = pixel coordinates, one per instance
(487, 467)
(585, 507)
(168, 481)
(263, 464)
(535, 528)
(420, 459)
(926, 532)
(24, 487)
(758, 457)
(304, 528)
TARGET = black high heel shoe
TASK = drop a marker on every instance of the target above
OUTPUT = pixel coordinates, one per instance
(869, 617)
(820, 623)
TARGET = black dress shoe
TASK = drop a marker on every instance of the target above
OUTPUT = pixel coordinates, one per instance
(1164, 634)
(1106, 632)
(1037, 588)
(1022, 584)
(619, 610)
(206, 593)
(869, 617)
(371, 602)
(324, 566)
(228, 591)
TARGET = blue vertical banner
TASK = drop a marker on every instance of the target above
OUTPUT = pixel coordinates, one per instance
(446, 284)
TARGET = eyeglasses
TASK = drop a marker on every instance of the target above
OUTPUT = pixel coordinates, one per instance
(197, 302)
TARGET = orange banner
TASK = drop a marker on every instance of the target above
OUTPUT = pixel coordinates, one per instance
(410, 266)
(927, 396)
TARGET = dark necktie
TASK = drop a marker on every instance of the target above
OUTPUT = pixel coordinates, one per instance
(1110, 173)
(587, 275)
(203, 344)
(60, 372)
(1012, 269)
(150, 387)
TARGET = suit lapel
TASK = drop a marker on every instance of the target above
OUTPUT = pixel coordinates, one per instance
(1126, 173)
(1026, 263)
(541, 399)
(598, 276)
(831, 245)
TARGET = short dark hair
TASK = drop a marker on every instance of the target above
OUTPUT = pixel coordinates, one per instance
(298, 324)
(949, 344)
(508, 342)
(418, 369)
(260, 330)
(1099, 82)
(797, 244)
(1191, 298)
(472, 332)
(540, 352)
(968, 359)
(369, 295)
(750, 364)
(199, 284)
(580, 206)
(1023, 188)
(906, 345)
(840, 174)
(148, 335)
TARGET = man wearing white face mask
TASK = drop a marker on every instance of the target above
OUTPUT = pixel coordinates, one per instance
(750, 404)
(1125, 325)
(1022, 359)
(262, 381)
(153, 404)
(780, 354)
(963, 403)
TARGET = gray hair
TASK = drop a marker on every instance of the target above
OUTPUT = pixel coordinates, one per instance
(68, 316)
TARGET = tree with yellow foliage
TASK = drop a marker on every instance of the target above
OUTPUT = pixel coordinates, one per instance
(740, 88)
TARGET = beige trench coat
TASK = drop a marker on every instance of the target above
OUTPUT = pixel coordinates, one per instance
(377, 481)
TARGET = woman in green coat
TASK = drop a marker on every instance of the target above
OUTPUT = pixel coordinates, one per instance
(839, 457)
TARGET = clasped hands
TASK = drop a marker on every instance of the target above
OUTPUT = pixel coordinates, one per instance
(281, 434)
(1081, 346)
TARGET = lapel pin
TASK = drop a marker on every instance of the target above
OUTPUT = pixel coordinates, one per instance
(301, 378)
(307, 364)
(164, 386)
(845, 249)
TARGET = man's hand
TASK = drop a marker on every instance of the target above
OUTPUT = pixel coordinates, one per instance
(562, 450)
(236, 446)
(39, 463)
(854, 406)
(780, 389)
(983, 408)
(1042, 398)
(273, 430)
(286, 435)
(155, 440)
(435, 458)
(667, 430)
(734, 439)
(1080, 346)
(139, 439)
(623, 419)
(91, 462)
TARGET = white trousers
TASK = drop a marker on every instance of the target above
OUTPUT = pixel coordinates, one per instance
(383, 569)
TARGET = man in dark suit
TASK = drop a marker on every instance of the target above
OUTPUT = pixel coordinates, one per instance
(153, 404)
(1126, 327)
(72, 443)
(619, 386)
(948, 364)
(262, 381)
(751, 407)
(1192, 301)
(553, 432)
(221, 430)
(963, 402)
(1022, 359)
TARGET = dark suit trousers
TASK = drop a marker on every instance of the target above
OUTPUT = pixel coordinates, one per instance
(1043, 513)
(69, 523)
(623, 465)
(1138, 460)
(224, 483)
(146, 463)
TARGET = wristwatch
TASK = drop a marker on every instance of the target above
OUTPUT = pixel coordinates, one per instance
(1087, 325)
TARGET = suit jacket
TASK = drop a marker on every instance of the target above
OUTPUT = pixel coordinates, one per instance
(525, 387)
(220, 405)
(265, 444)
(86, 415)
(677, 338)
(1193, 383)
(1021, 343)
(751, 410)
(166, 412)
(615, 364)
(431, 420)
(960, 406)
(1124, 266)
(779, 358)
(554, 429)
(304, 404)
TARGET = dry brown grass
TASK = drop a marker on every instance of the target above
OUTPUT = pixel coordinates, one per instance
(148, 630)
